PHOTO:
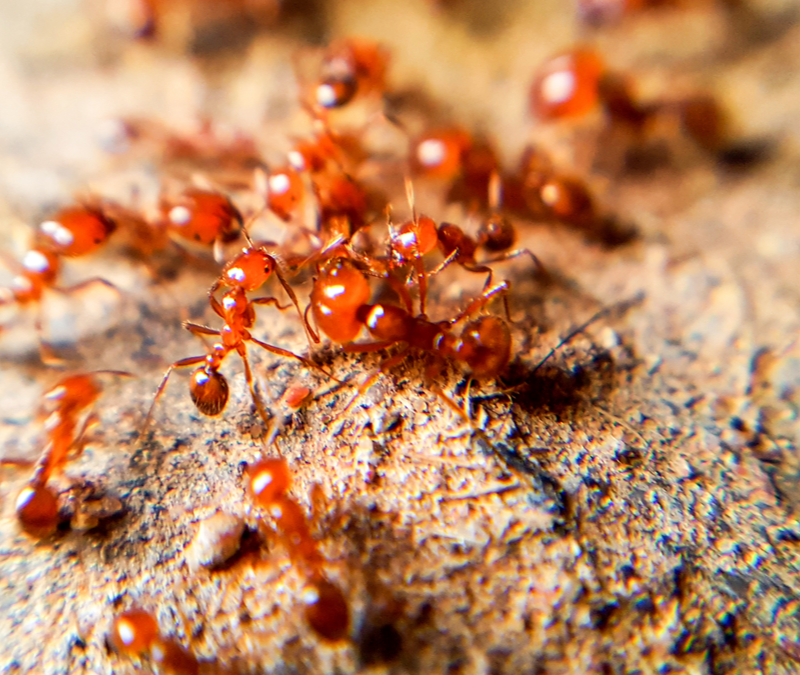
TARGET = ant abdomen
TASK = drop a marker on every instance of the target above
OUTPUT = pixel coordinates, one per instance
(209, 391)
(37, 510)
(326, 610)
(76, 231)
(387, 323)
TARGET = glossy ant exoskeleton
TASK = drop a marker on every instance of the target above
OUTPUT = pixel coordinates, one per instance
(339, 303)
(71, 232)
(68, 407)
(246, 272)
(349, 68)
(136, 633)
(576, 82)
(326, 609)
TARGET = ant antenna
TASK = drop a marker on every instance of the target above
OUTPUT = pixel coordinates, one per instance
(605, 311)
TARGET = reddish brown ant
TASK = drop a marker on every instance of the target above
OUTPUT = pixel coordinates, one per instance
(135, 632)
(202, 216)
(66, 403)
(70, 232)
(350, 67)
(247, 272)
(576, 82)
(326, 610)
(339, 305)
(496, 234)
(420, 235)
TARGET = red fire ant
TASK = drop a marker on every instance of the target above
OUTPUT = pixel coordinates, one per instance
(326, 610)
(135, 632)
(420, 235)
(247, 272)
(202, 216)
(69, 400)
(350, 67)
(574, 83)
(340, 308)
(70, 232)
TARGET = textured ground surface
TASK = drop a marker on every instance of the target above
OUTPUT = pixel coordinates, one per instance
(637, 508)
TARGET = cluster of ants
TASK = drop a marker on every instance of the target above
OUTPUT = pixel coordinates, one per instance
(349, 265)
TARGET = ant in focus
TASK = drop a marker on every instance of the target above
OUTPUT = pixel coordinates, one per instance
(339, 304)
(246, 272)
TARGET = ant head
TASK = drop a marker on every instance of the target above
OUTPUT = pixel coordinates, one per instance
(74, 393)
(249, 270)
(485, 346)
(268, 480)
(209, 391)
(414, 238)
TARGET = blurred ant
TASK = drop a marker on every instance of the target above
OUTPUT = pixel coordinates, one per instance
(71, 232)
(246, 272)
(350, 67)
(135, 632)
(576, 82)
(326, 610)
(204, 217)
(65, 404)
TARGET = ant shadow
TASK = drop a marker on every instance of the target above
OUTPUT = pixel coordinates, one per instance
(563, 392)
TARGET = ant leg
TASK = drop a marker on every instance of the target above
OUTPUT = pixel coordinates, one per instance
(198, 330)
(402, 291)
(85, 284)
(508, 255)
(291, 355)
(182, 363)
(274, 301)
(46, 353)
(482, 300)
(313, 337)
(445, 263)
(385, 365)
(248, 374)
(81, 439)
